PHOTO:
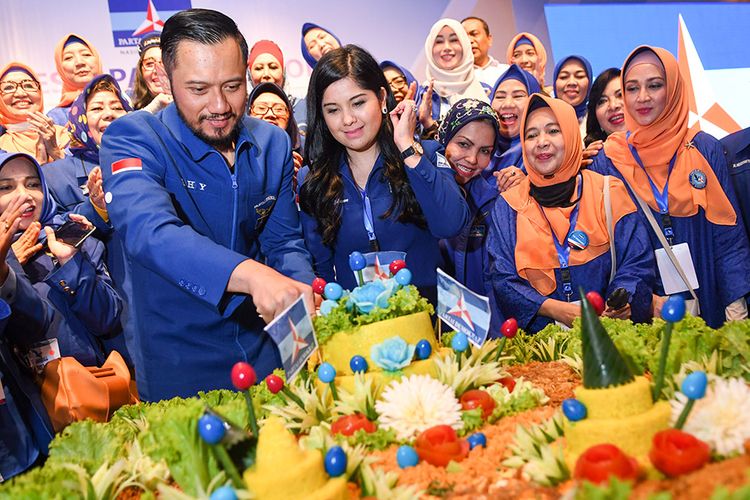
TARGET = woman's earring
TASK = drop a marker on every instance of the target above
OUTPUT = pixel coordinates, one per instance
(385, 110)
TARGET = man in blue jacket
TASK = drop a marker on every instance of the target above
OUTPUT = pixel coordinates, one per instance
(737, 150)
(201, 197)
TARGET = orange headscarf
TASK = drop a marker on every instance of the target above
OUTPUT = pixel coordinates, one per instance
(658, 142)
(535, 253)
(70, 89)
(23, 141)
(541, 53)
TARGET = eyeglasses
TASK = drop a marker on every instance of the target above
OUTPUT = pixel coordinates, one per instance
(398, 83)
(26, 85)
(149, 64)
(279, 110)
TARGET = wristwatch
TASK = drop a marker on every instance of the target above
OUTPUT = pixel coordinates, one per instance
(414, 149)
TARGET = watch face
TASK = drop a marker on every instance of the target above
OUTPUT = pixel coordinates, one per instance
(418, 148)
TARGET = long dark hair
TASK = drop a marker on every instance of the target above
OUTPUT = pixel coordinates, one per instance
(323, 187)
(594, 131)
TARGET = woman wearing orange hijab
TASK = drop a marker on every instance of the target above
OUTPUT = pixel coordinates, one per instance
(27, 129)
(681, 175)
(550, 232)
(527, 51)
(77, 63)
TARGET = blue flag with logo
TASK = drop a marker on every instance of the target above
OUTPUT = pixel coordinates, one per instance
(135, 19)
(292, 330)
(377, 265)
(463, 310)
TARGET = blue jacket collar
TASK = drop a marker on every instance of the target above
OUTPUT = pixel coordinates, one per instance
(196, 147)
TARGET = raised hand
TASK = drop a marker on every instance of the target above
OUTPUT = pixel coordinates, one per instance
(28, 243)
(404, 120)
(425, 108)
(96, 191)
(508, 177)
(9, 221)
(45, 127)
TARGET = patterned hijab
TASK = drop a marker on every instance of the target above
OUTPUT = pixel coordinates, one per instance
(463, 112)
(82, 144)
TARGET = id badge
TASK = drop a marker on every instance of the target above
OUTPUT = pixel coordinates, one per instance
(563, 326)
(670, 278)
(42, 353)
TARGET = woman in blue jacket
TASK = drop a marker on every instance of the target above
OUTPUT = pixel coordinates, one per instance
(469, 135)
(679, 177)
(25, 429)
(100, 103)
(59, 294)
(509, 97)
(368, 185)
(552, 233)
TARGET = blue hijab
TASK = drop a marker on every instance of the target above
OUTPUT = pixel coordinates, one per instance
(305, 54)
(580, 108)
(514, 72)
(49, 207)
(407, 74)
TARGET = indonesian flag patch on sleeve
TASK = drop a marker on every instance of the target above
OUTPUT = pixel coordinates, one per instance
(127, 165)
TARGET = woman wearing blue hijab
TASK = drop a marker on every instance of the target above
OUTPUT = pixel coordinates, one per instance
(509, 97)
(573, 79)
(316, 42)
(59, 294)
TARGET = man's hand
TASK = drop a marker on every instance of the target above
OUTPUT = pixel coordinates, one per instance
(272, 292)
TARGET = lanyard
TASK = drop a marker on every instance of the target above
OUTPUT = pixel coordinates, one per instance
(563, 249)
(369, 221)
(661, 197)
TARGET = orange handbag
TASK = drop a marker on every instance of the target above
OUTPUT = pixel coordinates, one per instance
(72, 392)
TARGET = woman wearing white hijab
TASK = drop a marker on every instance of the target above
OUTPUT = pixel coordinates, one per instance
(450, 73)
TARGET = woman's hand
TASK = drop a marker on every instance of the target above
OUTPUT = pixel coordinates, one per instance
(96, 191)
(9, 221)
(564, 312)
(621, 313)
(404, 120)
(298, 160)
(411, 92)
(591, 151)
(657, 304)
(508, 177)
(158, 103)
(425, 108)
(45, 127)
(28, 244)
(62, 251)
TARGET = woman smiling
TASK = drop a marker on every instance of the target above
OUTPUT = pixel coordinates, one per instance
(553, 233)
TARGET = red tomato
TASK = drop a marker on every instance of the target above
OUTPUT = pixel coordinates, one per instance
(508, 382)
(597, 302)
(476, 398)
(675, 452)
(439, 445)
(349, 424)
(600, 462)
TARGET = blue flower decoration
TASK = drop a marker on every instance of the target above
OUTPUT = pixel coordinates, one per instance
(393, 354)
(374, 294)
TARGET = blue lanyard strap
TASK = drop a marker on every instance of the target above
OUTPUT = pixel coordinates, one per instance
(563, 249)
(369, 221)
(661, 197)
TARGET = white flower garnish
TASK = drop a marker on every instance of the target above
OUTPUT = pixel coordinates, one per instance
(416, 403)
(720, 418)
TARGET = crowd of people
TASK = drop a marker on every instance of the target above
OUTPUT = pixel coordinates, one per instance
(216, 197)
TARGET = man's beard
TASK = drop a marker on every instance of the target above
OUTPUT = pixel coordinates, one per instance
(225, 143)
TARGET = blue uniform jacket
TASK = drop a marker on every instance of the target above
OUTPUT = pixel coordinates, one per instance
(74, 303)
(737, 149)
(518, 299)
(721, 254)
(443, 206)
(25, 429)
(186, 221)
(66, 180)
(466, 254)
